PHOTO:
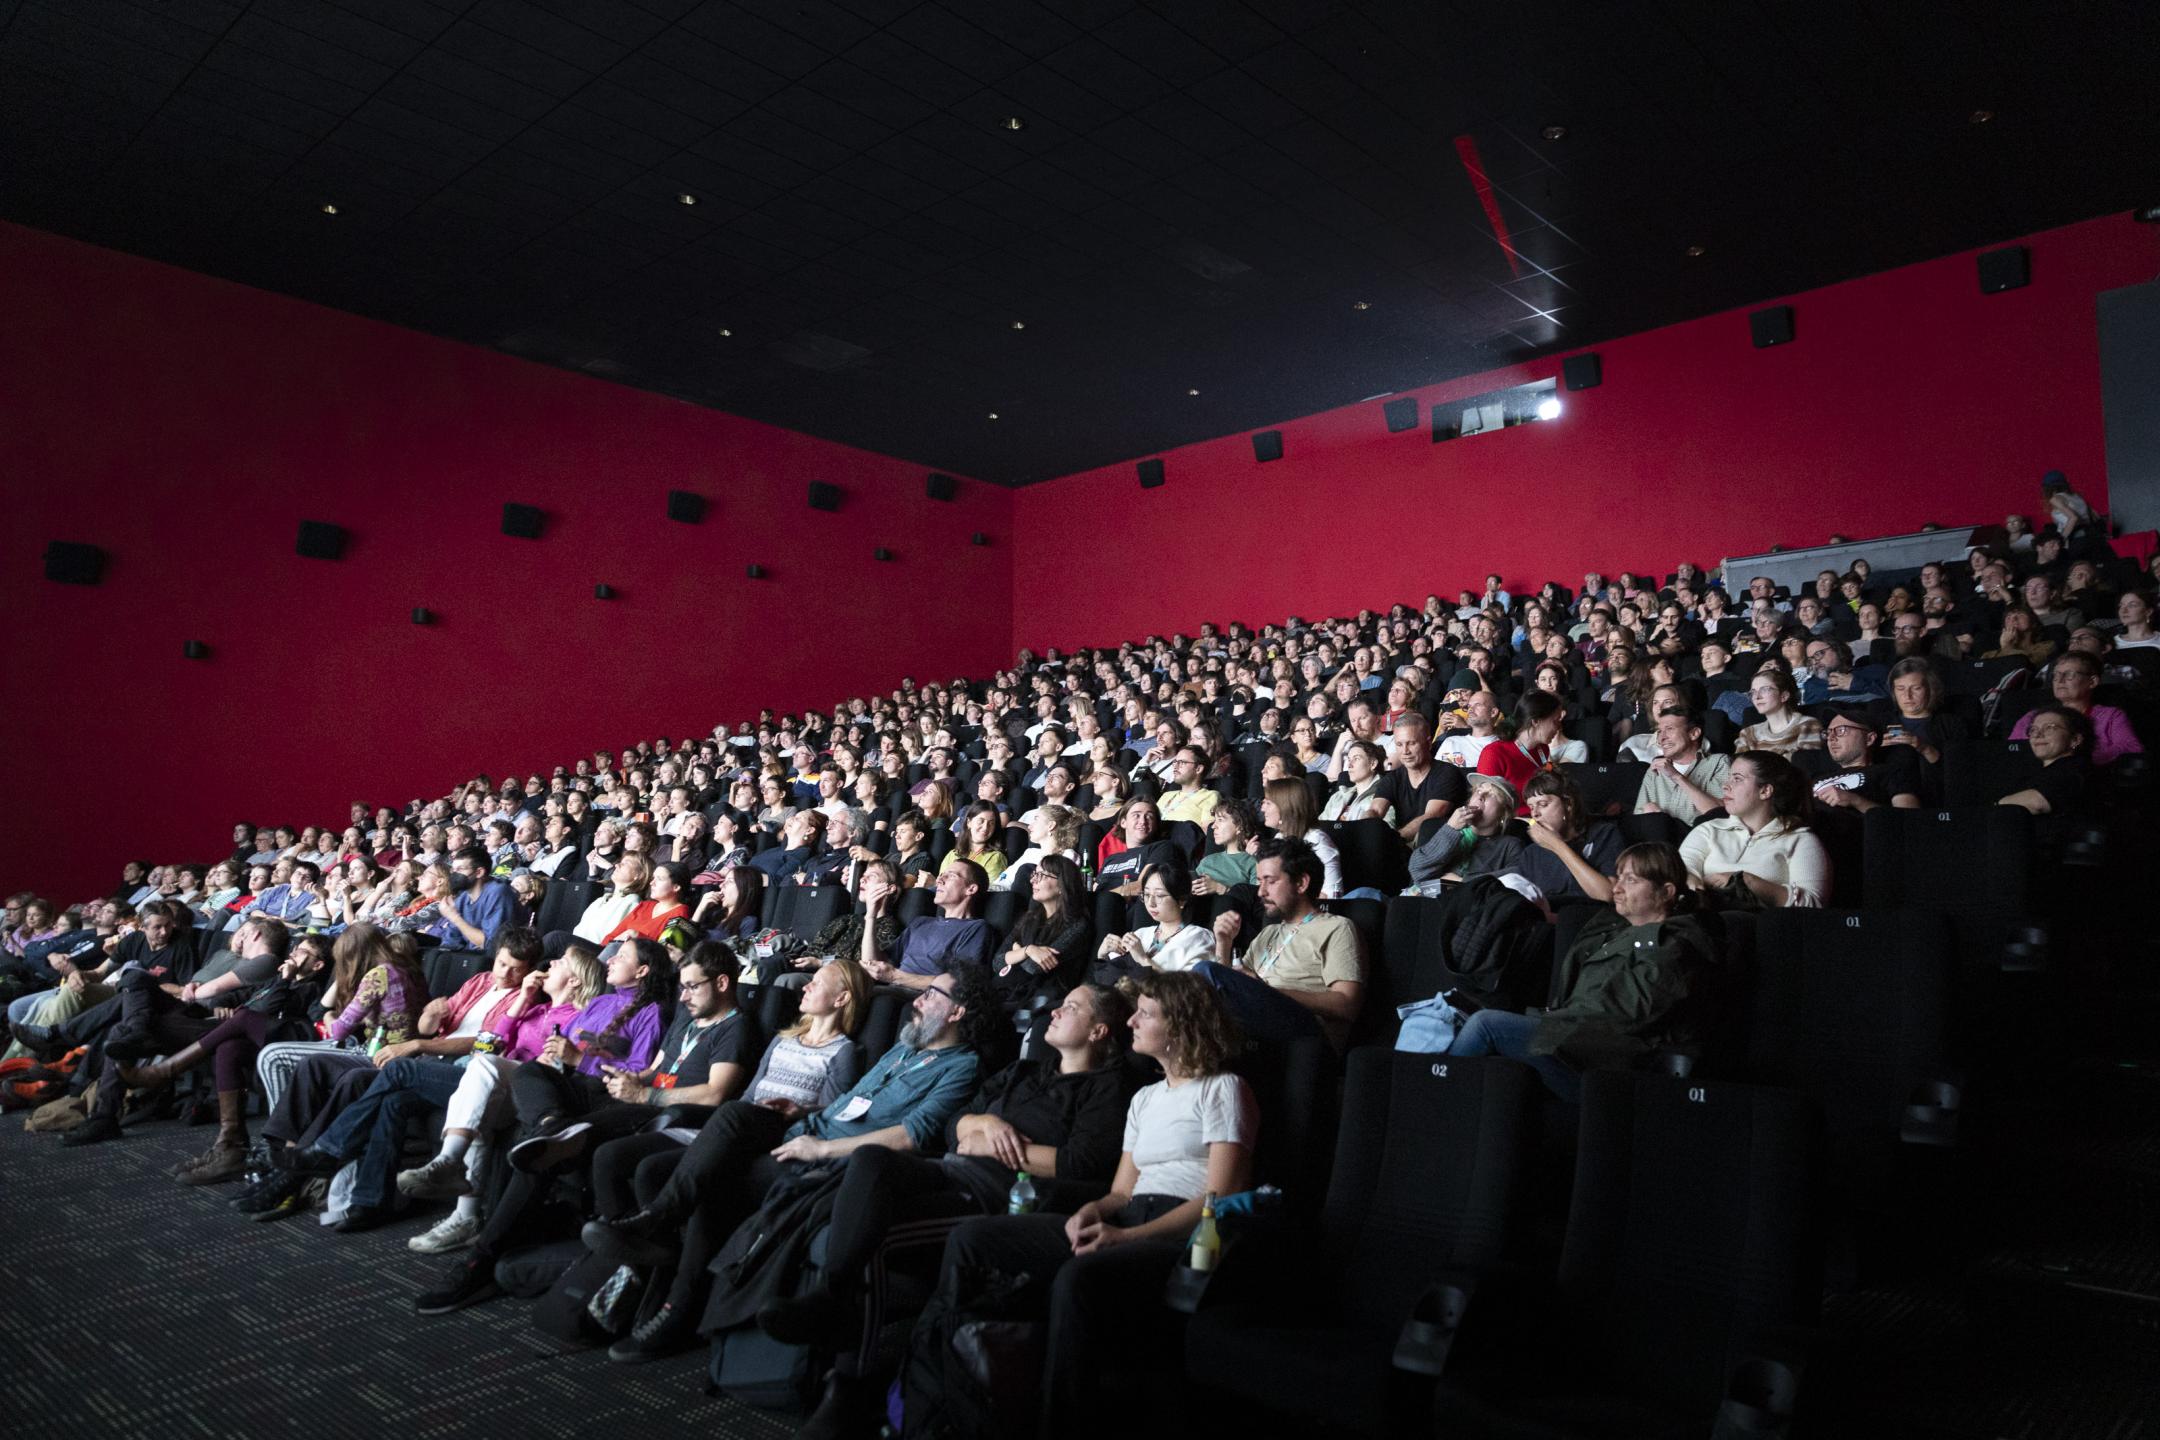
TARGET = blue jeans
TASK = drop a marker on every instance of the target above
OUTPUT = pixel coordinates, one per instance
(372, 1128)
(1497, 1032)
(1261, 1011)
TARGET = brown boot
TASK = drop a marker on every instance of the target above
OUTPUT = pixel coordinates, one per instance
(164, 1072)
(227, 1159)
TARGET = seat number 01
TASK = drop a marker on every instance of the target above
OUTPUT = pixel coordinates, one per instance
(1697, 1095)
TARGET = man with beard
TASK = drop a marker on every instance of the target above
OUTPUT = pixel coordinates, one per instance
(1912, 635)
(1304, 970)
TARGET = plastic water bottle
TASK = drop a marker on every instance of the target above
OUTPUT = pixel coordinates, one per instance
(1206, 1242)
(1022, 1199)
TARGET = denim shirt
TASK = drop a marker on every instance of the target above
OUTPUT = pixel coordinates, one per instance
(917, 1089)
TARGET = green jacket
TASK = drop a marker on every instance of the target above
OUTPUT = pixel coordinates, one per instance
(1626, 991)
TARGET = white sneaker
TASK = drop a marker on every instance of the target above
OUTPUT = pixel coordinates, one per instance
(442, 1178)
(453, 1233)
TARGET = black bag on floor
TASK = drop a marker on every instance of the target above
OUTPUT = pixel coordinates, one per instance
(775, 1253)
(566, 1310)
(530, 1273)
(974, 1361)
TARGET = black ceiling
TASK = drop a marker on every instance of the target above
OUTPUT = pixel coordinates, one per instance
(1201, 194)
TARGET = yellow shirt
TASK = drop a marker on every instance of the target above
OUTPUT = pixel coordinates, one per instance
(1193, 805)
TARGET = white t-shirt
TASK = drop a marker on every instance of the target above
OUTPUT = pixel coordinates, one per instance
(1463, 749)
(1192, 944)
(481, 1009)
(1168, 1131)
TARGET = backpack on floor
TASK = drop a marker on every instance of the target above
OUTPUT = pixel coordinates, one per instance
(566, 1311)
(974, 1360)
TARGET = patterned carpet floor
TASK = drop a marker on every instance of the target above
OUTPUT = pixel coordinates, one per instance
(135, 1308)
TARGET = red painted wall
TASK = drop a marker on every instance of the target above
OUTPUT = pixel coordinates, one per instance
(1905, 397)
(187, 425)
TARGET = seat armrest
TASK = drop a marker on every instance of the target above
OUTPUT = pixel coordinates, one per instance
(1762, 1395)
(1931, 1113)
(1254, 1257)
(2026, 949)
(1429, 1334)
(1676, 1064)
(682, 1117)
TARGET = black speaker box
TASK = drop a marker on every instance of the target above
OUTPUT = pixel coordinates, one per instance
(421, 615)
(1582, 372)
(1267, 445)
(1151, 474)
(978, 538)
(686, 506)
(603, 592)
(755, 572)
(2009, 268)
(823, 496)
(881, 553)
(1771, 326)
(523, 521)
(941, 487)
(320, 540)
(1401, 414)
(74, 564)
(195, 650)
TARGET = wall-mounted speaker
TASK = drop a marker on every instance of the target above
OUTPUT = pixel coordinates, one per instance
(2009, 268)
(320, 540)
(823, 496)
(421, 615)
(603, 592)
(195, 650)
(523, 521)
(1151, 474)
(1771, 326)
(755, 572)
(1267, 445)
(881, 553)
(71, 563)
(685, 506)
(1582, 372)
(978, 538)
(941, 487)
(1401, 413)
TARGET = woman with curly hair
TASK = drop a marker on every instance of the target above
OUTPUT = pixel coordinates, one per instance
(1187, 1136)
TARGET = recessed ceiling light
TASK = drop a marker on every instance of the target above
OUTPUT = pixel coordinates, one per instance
(725, 332)
(1014, 122)
(1192, 392)
(1556, 132)
(1694, 252)
(1980, 117)
(1019, 324)
(993, 414)
(1361, 305)
(328, 209)
(684, 197)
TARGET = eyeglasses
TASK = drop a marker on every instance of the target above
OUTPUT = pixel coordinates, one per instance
(939, 991)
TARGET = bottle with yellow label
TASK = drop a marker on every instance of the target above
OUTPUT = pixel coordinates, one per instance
(1206, 1242)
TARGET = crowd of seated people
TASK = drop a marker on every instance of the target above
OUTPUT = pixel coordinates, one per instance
(1092, 880)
